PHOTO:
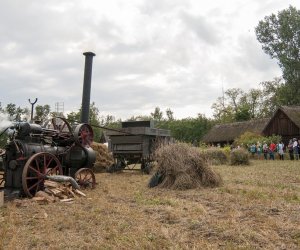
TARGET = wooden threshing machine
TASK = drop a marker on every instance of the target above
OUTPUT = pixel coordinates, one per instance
(134, 144)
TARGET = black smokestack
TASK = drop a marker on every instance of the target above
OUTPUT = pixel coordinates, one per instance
(85, 109)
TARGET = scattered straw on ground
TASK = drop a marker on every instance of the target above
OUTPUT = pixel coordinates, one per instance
(184, 167)
(257, 207)
(104, 159)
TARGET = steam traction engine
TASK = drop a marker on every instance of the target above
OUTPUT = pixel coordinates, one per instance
(35, 152)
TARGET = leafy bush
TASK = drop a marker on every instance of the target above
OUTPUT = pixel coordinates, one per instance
(227, 150)
(239, 157)
(215, 156)
(249, 138)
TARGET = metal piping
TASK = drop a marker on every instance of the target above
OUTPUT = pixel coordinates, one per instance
(86, 93)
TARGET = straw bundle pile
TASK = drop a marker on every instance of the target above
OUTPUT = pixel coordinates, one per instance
(215, 156)
(239, 156)
(104, 159)
(181, 166)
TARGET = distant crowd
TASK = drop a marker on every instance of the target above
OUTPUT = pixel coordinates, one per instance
(269, 151)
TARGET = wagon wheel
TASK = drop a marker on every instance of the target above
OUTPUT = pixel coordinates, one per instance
(146, 167)
(2, 179)
(35, 170)
(84, 135)
(59, 124)
(85, 178)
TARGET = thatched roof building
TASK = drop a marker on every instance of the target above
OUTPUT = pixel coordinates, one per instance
(285, 122)
(226, 133)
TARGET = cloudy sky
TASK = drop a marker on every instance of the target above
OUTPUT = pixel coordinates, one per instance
(169, 53)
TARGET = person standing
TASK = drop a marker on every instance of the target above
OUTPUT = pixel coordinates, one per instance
(280, 148)
(259, 150)
(295, 149)
(272, 149)
(265, 150)
(290, 148)
(253, 149)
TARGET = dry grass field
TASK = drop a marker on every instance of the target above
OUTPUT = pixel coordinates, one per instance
(258, 206)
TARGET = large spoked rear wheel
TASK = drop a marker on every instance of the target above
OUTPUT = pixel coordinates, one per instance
(59, 124)
(35, 171)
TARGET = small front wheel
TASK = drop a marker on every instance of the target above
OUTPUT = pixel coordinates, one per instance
(146, 167)
(85, 178)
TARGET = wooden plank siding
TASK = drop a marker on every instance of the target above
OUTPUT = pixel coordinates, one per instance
(281, 124)
(285, 122)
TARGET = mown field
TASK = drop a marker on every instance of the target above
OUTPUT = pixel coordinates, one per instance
(258, 206)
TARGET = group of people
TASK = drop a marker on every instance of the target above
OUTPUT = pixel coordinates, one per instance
(268, 151)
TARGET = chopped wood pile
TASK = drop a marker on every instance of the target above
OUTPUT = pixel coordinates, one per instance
(55, 191)
(104, 158)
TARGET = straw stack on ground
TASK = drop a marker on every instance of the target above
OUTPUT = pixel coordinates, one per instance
(239, 156)
(215, 156)
(104, 159)
(180, 166)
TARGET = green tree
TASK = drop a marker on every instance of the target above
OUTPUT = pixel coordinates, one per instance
(272, 96)
(15, 113)
(106, 120)
(11, 110)
(280, 38)
(170, 114)
(236, 105)
(222, 112)
(157, 114)
(233, 96)
(254, 100)
(188, 129)
(42, 112)
(242, 114)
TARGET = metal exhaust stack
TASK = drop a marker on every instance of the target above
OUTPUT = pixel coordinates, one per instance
(86, 93)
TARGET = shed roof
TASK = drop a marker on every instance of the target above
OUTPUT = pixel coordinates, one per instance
(293, 112)
(229, 131)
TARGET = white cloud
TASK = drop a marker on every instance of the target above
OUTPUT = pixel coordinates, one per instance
(172, 54)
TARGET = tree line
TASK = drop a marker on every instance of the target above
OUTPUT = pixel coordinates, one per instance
(187, 129)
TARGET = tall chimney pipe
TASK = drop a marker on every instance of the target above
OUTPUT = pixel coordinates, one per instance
(86, 93)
